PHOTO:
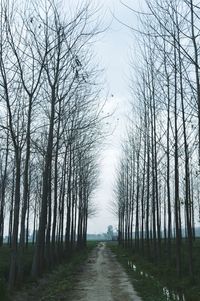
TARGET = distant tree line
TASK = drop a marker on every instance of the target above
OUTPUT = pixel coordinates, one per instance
(50, 126)
(158, 185)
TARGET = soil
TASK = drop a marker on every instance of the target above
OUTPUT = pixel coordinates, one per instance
(103, 279)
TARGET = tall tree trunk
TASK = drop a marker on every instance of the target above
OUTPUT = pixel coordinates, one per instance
(39, 254)
(14, 241)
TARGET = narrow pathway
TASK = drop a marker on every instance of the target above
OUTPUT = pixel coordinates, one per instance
(103, 279)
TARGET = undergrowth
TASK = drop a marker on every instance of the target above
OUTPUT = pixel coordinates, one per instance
(158, 282)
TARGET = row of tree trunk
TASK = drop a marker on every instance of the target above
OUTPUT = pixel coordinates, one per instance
(49, 128)
(158, 179)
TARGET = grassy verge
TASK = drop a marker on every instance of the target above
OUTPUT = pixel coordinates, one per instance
(157, 282)
(4, 267)
(55, 285)
(52, 285)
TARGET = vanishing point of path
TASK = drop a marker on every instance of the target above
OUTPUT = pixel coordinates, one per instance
(103, 279)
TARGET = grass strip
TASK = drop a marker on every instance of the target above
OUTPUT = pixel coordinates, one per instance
(55, 284)
(155, 282)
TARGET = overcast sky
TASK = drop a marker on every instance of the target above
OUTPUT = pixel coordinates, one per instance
(113, 52)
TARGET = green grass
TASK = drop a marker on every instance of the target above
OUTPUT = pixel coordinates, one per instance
(55, 284)
(59, 279)
(160, 275)
(4, 267)
(63, 278)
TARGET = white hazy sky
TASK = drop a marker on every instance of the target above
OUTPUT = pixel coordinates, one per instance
(113, 52)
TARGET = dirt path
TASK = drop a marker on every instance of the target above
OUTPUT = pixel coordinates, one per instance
(103, 279)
